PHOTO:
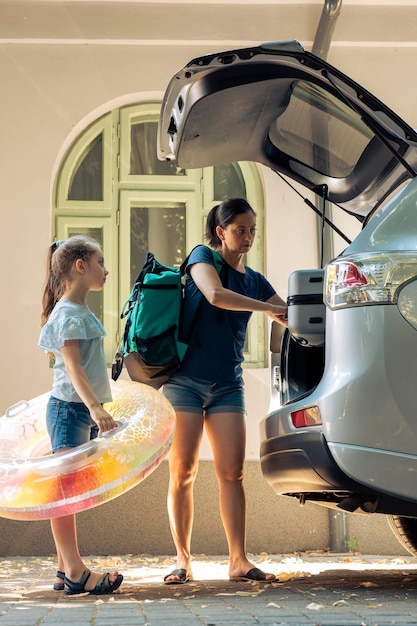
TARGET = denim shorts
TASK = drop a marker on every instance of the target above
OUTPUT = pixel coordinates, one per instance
(190, 395)
(69, 424)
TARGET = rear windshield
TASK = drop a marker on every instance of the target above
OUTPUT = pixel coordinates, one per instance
(320, 131)
(394, 227)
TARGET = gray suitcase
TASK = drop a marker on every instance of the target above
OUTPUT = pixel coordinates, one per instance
(306, 310)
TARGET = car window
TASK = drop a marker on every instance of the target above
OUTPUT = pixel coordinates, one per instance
(320, 131)
(393, 227)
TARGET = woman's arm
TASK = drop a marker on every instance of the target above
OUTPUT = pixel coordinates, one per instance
(207, 280)
(72, 361)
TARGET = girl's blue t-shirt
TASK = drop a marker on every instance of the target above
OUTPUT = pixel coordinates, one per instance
(68, 321)
(216, 337)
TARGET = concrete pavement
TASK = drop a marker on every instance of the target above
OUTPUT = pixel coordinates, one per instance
(316, 588)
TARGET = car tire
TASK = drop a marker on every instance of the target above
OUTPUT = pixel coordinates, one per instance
(405, 530)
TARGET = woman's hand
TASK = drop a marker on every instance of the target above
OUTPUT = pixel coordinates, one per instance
(278, 310)
(279, 313)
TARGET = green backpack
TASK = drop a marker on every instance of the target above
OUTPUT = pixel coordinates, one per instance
(150, 346)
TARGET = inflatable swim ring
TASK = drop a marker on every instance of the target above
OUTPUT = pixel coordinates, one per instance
(36, 484)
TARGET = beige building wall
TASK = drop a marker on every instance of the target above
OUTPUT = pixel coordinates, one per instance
(137, 523)
(62, 65)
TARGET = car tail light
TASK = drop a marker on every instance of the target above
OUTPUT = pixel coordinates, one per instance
(362, 279)
(306, 417)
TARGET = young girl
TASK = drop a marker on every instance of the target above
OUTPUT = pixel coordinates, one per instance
(74, 415)
(207, 392)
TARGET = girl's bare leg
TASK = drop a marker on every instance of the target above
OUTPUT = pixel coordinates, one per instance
(69, 560)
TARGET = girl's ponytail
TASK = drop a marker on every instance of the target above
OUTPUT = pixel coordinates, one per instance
(51, 290)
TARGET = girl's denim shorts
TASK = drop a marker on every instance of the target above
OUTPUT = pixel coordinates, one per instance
(69, 424)
(190, 395)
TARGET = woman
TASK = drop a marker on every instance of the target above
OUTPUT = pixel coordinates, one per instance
(207, 392)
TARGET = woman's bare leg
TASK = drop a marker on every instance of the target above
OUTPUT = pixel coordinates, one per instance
(227, 436)
(183, 466)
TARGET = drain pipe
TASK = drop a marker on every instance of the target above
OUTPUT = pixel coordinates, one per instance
(323, 38)
(321, 45)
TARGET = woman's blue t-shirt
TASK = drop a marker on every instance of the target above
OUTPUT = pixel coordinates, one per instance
(217, 337)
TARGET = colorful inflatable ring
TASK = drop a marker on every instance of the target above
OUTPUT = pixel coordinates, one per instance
(35, 484)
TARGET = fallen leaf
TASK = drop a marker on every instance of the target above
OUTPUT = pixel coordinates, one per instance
(284, 576)
(250, 593)
(314, 606)
(225, 594)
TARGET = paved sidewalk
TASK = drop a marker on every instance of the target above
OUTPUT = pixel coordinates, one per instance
(320, 589)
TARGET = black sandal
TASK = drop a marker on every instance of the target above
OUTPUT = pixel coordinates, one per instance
(103, 586)
(59, 586)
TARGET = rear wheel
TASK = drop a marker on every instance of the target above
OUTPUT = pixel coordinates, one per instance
(405, 530)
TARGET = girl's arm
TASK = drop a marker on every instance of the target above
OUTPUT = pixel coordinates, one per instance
(207, 280)
(72, 361)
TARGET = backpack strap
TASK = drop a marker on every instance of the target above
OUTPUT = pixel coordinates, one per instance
(222, 269)
(219, 262)
(147, 267)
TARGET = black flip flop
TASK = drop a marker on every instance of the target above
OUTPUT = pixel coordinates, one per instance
(253, 575)
(182, 575)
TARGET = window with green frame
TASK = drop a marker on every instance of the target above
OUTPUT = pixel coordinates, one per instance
(112, 186)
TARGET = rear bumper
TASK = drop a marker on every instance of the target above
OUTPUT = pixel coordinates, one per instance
(301, 462)
(301, 465)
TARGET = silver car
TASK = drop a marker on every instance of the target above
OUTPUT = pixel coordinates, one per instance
(341, 430)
